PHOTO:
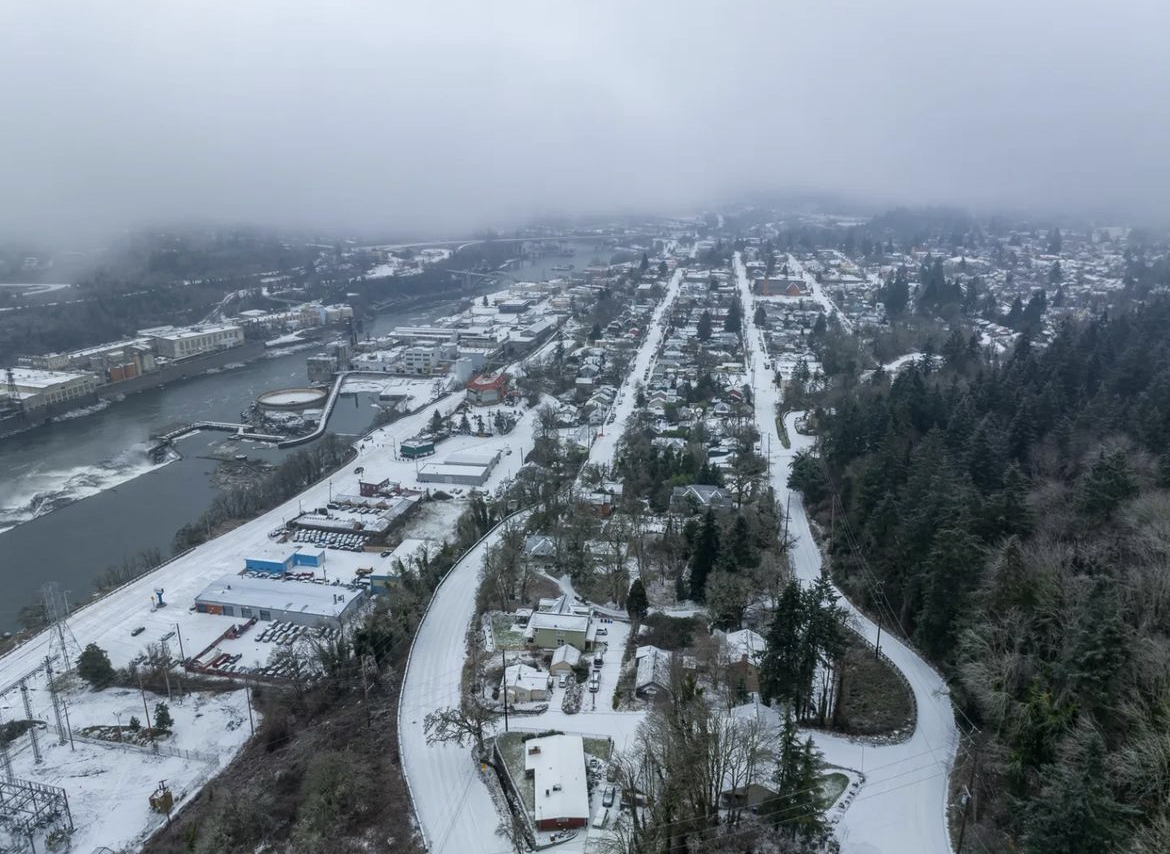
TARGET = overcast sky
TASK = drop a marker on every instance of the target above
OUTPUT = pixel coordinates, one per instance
(445, 116)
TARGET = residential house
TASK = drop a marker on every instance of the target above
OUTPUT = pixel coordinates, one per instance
(653, 672)
(540, 550)
(696, 497)
(557, 765)
(524, 684)
(486, 391)
(550, 630)
(743, 652)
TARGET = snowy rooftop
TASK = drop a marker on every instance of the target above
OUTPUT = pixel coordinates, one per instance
(31, 378)
(302, 596)
(558, 764)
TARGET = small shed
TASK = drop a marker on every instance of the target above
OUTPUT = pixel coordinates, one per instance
(564, 659)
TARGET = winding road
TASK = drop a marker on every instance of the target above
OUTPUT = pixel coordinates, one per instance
(455, 811)
(902, 805)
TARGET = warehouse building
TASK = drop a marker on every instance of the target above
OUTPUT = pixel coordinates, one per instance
(300, 602)
(282, 566)
(183, 343)
(464, 468)
(37, 389)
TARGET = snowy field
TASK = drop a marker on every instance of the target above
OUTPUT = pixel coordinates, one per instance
(108, 784)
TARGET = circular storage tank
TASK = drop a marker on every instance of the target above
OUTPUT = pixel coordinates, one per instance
(292, 399)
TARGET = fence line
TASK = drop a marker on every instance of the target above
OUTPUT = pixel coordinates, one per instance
(131, 747)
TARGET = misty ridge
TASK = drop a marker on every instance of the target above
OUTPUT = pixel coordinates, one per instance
(428, 119)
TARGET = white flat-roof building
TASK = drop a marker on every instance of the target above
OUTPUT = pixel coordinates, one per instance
(36, 389)
(182, 343)
(557, 764)
(300, 602)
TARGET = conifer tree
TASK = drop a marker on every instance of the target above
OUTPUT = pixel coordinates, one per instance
(704, 557)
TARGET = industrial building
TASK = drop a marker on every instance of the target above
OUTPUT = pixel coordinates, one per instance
(557, 765)
(312, 559)
(323, 366)
(35, 389)
(112, 362)
(182, 343)
(300, 602)
(464, 468)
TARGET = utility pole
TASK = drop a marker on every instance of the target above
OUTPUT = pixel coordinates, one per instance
(504, 661)
(877, 647)
(967, 798)
(248, 703)
(146, 711)
(787, 516)
(32, 730)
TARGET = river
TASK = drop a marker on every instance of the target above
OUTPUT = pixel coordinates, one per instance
(79, 496)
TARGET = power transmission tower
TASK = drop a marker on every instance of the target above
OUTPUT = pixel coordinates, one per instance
(6, 761)
(62, 641)
(32, 730)
(61, 728)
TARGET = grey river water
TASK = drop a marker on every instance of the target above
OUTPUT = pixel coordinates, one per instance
(79, 496)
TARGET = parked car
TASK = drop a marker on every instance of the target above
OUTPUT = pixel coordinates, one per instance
(607, 799)
(562, 680)
(603, 631)
(594, 684)
(136, 632)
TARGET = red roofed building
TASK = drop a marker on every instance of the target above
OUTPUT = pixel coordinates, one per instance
(485, 391)
(779, 287)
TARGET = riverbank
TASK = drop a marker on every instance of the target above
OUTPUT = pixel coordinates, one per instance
(79, 496)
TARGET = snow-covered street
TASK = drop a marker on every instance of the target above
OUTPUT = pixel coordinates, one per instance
(453, 805)
(901, 807)
(605, 445)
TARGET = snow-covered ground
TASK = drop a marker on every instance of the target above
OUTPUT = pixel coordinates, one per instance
(892, 367)
(604, 447)
(454, 807)
(108, 784)
(108, 623)
(902, 805)
(818, 293)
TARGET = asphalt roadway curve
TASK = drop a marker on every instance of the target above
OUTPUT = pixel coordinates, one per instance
(902, 805)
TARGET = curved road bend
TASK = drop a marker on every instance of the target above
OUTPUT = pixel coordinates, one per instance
(455, 811)
(902, 806)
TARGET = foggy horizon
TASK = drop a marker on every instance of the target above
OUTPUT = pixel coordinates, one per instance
(453, 118)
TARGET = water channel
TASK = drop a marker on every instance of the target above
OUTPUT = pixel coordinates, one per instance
(78, 496)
